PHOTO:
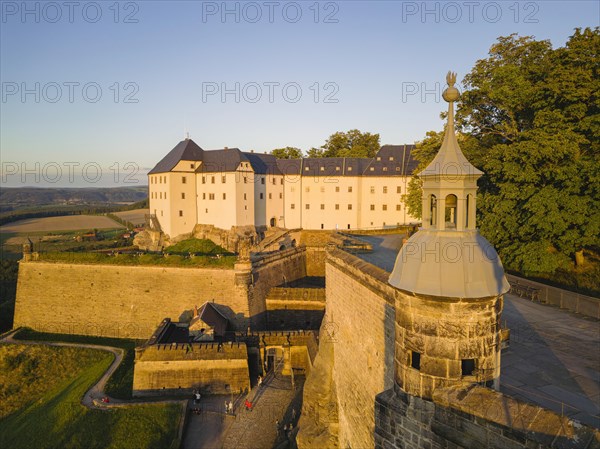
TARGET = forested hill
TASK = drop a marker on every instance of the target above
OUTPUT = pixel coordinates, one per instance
(31, 197)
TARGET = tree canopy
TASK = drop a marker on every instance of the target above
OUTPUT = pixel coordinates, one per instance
(287, 153)
(353, 143)
(532, 122)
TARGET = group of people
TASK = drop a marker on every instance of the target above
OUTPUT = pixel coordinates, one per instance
(287, 428)
(229, 407)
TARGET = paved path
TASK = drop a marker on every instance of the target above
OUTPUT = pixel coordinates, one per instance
(256, 429)
(553, 359)
(385, 249)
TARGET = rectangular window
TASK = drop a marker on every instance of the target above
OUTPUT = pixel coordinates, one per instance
(372, 189)
(337, 189)
(183, 180)
(270, 196)
(415, 360)
(391, 158)
(274, 181)
(262, 181)
(191, 165)
(224, 196)
(322, 189)
(385, 207)
(281, 196)
(261, 196)
(160, 193)
(467, 366)
(245, 180)
(292, 206)
(349, 169)
(165, 195)
(244, 196)
(372, 207)
(181, 213)
(204, 180)
(211, 196)
(307, 189)
(281, 181)
(398, 189)
(204, 196)
(384, 168)
(212, 179)
(350, 189)
(182, 195)
(307, 206)
(322, 207)
(223, 179)
(337, 207)
(349, 207)
(384, 189)
(397, 207)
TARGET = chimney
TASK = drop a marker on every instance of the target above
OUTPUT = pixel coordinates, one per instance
(226, 148)
(251, 151)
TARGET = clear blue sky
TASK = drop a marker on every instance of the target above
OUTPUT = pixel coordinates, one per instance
(373, 56)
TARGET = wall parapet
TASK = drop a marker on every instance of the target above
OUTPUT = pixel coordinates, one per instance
(565, 299)
(372, 277)
(297, 294)
(193, 351)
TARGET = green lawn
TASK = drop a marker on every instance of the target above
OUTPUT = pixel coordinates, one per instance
(196, 246)
(46, 412)
(225, 262)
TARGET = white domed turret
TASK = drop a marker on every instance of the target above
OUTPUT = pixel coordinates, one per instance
(448, 257)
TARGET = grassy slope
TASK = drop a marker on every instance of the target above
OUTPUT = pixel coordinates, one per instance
(120, 383)
(54, 417)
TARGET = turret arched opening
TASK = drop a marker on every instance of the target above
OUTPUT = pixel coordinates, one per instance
(432, 210)
(450, 211)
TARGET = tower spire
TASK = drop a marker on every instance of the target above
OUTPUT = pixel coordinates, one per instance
(450, 160)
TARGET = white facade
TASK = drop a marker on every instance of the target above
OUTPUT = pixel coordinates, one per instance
(228, 188)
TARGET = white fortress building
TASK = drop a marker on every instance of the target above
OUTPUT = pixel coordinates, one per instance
(228, 188)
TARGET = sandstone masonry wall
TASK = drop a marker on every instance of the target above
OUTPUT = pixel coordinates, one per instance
(360, 323)
(209, 367)
(473, 418)
(119, 301)
(271, 271)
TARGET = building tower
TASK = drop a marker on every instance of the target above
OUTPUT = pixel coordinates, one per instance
(450, 281)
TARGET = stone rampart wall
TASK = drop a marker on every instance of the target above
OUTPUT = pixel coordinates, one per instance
(119, 301)
(360, 323)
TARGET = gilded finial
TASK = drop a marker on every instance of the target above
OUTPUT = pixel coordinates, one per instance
(451, 93)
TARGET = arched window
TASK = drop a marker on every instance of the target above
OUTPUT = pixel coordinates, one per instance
(450, 211)
(467, 211)
(432, 210)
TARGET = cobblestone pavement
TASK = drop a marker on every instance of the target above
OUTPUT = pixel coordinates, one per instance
(256, 429)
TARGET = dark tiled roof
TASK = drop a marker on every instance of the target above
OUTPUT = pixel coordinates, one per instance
(392, 160)
(213, 317)
(186, 150)
(289, 166)
(227, 159)
(263, 164)
(402, 163)
(169, 332)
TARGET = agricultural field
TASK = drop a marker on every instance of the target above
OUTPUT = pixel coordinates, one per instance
(62, 223)
(136, 216)
(41, 388)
